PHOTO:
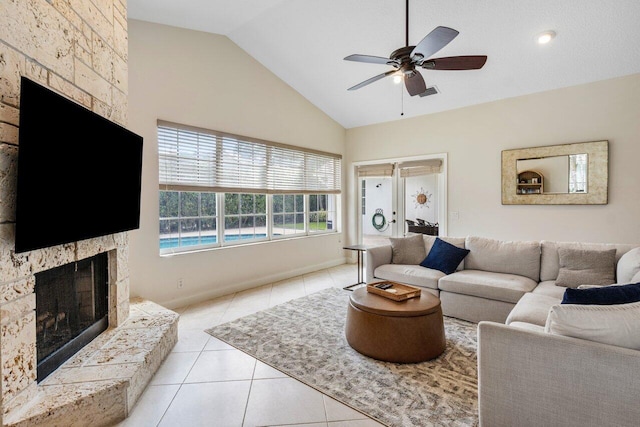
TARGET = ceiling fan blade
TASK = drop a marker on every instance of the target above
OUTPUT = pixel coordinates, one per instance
(372, 79)
(370, 59)
(415, 83)
(455, 63)
(434, 41)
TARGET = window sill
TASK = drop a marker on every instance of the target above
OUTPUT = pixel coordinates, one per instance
(241, 245)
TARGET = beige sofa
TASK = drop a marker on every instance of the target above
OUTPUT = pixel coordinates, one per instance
(491, 280)
(564, 380)
(530, 378)
(527, 376)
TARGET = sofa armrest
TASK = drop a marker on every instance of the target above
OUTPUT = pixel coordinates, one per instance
(376, 256)
(530, 378)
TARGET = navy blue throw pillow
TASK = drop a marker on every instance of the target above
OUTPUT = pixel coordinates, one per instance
(606, 295)
(444, 256)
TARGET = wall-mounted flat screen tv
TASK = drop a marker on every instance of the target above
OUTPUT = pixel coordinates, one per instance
(79, 174)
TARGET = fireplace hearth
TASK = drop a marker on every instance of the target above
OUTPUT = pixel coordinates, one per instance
(71, 310)
(91, 381)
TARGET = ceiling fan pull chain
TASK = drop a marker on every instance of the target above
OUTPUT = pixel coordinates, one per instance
(407, 26)
(401, 101)
(405, 60)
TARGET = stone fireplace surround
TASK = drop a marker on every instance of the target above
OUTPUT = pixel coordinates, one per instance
(99, 384)
(79, 49)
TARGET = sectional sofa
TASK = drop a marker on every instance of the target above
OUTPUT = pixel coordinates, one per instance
(533, 369)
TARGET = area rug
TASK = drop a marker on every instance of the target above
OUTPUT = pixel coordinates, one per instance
(304, 338)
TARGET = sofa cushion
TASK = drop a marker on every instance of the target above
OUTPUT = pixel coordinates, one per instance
(444, 257)
(549, 288)
(628, 266)
(550, 262)
(409, 274)
(528, 326)
(532, 308)
(586, 267)
(605, 295)
(617, 325)
(407, 250)
(455, 241)
(509, 257)
(485, 284)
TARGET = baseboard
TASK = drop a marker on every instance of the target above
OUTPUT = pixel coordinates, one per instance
(243, 286)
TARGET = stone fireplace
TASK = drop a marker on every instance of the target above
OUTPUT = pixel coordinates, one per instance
(79, 49)
(99, 383)
(71, 310)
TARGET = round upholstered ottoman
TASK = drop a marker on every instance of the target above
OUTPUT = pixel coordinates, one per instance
(409, 331)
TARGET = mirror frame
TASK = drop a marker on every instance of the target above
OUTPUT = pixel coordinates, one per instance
(597, 174)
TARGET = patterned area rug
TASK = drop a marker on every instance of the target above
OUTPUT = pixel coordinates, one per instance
(304, 338)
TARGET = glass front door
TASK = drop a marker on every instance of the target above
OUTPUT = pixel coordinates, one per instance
(400, 197)
(421, 204)
(378, 210)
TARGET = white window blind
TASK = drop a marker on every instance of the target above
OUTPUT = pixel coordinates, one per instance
(420, 167)
(193, 159)
(377, 170)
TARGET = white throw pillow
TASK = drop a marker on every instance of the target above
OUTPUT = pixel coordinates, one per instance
(628, 266)
(617, 325)
(634, 279)
(600, 286)
(500, 256)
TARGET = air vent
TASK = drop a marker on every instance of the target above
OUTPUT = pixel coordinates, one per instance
(431, 90)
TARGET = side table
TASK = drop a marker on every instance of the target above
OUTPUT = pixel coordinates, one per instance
(360, 249)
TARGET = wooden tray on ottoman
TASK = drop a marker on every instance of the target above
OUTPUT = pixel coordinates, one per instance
(403, 292)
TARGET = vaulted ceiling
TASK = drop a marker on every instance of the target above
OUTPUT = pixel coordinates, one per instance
(304, 43)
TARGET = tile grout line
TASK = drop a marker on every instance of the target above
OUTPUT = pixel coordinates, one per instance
(246, 406)
(324, 404)
(305, 287)
(169, 405)
(235, 294)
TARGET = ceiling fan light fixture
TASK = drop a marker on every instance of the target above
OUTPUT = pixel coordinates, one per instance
(405, 59)
(546, 37)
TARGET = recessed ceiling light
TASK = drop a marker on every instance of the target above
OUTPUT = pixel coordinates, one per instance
(546, 37)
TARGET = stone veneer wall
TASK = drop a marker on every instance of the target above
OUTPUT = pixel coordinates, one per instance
(77, 48)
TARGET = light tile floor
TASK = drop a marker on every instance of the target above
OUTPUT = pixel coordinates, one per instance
(205, 382)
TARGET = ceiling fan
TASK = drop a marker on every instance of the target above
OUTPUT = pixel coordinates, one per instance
(405, 60)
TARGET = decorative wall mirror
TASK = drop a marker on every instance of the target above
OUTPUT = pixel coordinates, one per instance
(568, 174)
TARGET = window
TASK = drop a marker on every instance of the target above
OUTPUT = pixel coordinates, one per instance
(218, 189)
(322, 213)
(245, 217)
(187, 219)
(578, 173)
(288, 214)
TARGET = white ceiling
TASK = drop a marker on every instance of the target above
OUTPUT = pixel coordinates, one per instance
(304, 42)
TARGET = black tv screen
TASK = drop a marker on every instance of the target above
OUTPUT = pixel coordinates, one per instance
(79, 174)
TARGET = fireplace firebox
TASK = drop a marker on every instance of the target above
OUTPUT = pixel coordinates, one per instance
(71, 310)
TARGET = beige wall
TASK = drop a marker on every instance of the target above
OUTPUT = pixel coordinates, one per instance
(205, 80)
(474, 137)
